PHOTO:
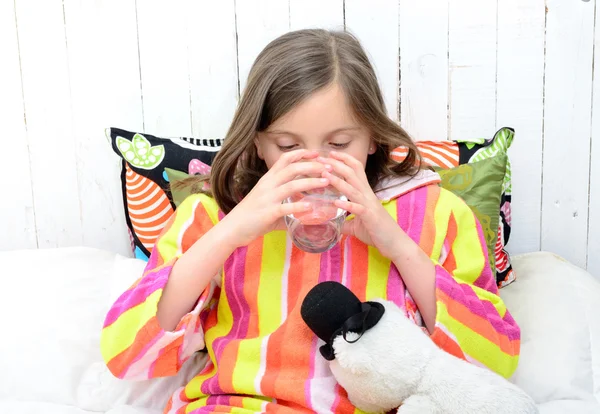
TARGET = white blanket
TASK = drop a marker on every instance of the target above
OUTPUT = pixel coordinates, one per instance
(53, 303)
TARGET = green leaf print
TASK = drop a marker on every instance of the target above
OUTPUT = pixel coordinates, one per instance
(500, 144)
(139, 153)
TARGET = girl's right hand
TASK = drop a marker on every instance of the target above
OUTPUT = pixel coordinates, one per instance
(262, 210)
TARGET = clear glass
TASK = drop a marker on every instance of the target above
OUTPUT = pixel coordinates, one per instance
(318, 229)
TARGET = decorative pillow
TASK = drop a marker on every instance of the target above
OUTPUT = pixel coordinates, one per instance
(480, 185)
(146, 197)
(451, 154)
(178, 194)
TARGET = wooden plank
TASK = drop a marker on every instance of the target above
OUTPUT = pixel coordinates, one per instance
(472, 60)
(52, 148)
(212, 58)
(520, 104)
(569, 48)
(424, 68)
(376, 26)
(17, 219)
(258, 23)
(105, 91)
(164, 67)
(593, 248)
(317, 14)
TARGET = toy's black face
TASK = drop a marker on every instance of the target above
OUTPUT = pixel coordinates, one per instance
(330, 309)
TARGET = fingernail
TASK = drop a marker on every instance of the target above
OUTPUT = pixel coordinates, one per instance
(307, 206)
(328, 167)
(324, 180)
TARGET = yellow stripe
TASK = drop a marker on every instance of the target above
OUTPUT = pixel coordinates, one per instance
(225, 317)
(269, 289)
(211, 206)
(492, 298)
(467, 249)
(475, 345)
(255, 404)
(379, 266)
(247, 366)
(194, 405)
(269, 297)
(118, 336)
(441, 216)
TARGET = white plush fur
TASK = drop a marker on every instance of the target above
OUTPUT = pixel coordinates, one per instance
(396, 364)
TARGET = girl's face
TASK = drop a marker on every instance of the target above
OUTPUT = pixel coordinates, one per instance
(324, 120)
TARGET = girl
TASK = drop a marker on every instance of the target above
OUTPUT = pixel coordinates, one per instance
(225, 276)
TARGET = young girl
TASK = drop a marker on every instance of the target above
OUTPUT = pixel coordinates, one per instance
(225, 276)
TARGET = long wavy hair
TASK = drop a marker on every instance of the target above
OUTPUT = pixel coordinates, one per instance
(289, 70)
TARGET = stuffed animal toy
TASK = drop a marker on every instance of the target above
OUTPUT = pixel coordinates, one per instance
(384, 361)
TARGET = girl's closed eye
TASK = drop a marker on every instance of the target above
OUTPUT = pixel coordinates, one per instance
(286, 147)
(340, 145)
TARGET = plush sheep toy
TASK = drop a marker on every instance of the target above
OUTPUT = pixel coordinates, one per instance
(384, 361)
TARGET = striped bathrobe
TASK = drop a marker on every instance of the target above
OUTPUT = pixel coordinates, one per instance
(262, 357)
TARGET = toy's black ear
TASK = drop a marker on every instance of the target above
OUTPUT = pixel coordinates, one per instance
(331, 309)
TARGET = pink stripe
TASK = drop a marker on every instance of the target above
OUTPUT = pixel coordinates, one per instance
(234, 269)
(143, 353)
(395, 287)
(154, 280)
(464, 294)
(153, 365)
(330, 267)
(410, 210)
(348, 260)
(505, 326)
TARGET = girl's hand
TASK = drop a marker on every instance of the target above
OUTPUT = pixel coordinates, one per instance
(372, 223)
(262, 211)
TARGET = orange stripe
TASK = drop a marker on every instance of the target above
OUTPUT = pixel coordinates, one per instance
(274, 346)
(441, 150)
(143, 191)
(251, 285)
(476, 323)
(227, 364)
(168, 362)
(450, 263)
(295, 330)
(434, 160)
(136, 210)
(344, 406)
(427, 237)
(202, 223)
(360, 268)
(446, 343)
(145, 335)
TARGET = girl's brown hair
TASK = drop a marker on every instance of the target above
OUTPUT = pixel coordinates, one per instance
(287, 71)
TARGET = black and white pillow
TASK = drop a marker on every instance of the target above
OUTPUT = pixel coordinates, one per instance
(146, 197)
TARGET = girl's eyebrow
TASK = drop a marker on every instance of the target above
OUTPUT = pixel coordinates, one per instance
(335, 131)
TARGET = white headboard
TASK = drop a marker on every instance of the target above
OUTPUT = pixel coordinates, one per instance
(449, 69)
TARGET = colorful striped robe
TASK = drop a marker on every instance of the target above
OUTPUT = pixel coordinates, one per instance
(262, 357)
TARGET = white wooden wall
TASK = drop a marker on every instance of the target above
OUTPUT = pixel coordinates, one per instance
(449, 69)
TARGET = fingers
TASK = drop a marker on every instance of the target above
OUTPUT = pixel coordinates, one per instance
(345, 171)
(286, 209)
(344, 187)
(353, 208)
(292, 157)
(349, 160)
(291, 171)
(299, 185)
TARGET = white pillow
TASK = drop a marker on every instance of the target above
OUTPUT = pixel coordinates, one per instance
(557, 306)
(52, 307)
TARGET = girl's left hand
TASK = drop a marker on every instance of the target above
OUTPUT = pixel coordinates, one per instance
(372, 223)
